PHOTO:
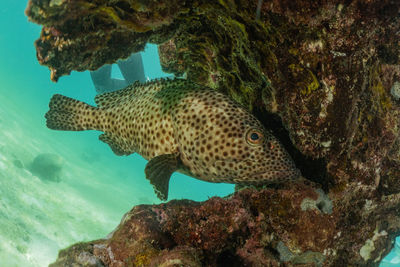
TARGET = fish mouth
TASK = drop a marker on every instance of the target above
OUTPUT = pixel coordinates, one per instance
(264, 176)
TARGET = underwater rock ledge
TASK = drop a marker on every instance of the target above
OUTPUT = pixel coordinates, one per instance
(296, 224)
(328, 69)
(240, 230)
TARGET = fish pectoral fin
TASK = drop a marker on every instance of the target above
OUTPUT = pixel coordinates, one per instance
(159, 170)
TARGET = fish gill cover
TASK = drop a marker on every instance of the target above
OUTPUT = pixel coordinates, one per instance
(318, 74)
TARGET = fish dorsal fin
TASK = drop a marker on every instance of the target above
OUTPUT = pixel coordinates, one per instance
(159, 170)
(111, 99)
(116, 145)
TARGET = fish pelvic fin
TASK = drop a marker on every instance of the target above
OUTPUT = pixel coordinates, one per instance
(159, 170)
(117, 145)
(69, 114)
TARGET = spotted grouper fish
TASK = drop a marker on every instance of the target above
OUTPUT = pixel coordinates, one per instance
(180, 126)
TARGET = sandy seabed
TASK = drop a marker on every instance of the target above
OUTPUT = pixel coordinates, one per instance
(38, 217)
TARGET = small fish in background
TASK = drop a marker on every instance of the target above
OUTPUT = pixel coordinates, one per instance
(47, 167)
(180, 126)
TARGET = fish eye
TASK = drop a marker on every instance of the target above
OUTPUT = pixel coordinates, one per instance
(254, 137)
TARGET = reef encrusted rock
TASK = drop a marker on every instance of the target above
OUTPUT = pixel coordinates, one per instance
(323, 75)
(237, 231)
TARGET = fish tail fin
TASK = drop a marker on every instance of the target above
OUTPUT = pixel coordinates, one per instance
(69, 114)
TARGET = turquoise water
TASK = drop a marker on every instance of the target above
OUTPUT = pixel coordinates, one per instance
(37, 217)
(393, 258)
